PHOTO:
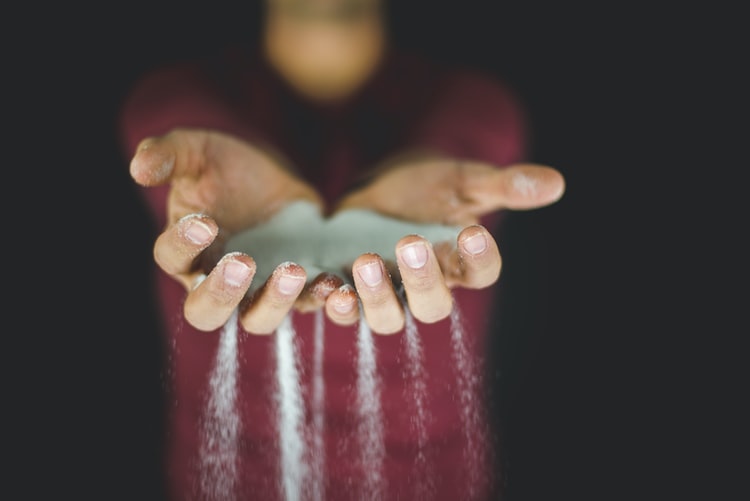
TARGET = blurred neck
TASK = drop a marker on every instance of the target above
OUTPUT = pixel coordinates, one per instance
(326, 52)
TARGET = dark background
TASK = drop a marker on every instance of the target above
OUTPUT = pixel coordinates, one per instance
(596, 384)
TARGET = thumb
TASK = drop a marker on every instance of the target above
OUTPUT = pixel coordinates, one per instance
(518, 187)
(152, 164)
(180, 152)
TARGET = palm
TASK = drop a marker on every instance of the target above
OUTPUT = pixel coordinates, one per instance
(233, 182)
(456, 192)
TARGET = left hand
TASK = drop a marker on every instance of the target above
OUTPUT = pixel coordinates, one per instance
(443, 191)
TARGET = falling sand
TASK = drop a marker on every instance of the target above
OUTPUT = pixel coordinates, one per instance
(415, 394)
(221, 421)
(290, 412)
(371, 445)
(302, 458)
(300, 234)
(317, 449)
(468, 383)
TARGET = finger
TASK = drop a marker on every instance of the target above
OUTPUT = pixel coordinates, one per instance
(176, 250)
(316, 292)
(475, 261)
(210, 304)
(382, 308)
(427, 295)
(274, 300)
(342, 306)
(518, 187)
(157, 159)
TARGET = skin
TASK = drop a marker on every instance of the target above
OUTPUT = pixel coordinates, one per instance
(220, 185)
(324, 48)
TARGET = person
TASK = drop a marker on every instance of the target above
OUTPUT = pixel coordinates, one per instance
(324, 110)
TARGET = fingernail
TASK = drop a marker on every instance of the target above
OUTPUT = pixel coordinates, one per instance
(236, 273)
(343, 307)
(475, 244)
(289, 284)
(198, 232)
(371, 274)
(414, 255)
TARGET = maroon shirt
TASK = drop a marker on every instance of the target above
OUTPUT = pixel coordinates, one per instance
(408, 104)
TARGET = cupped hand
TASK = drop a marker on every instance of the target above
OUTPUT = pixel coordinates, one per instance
(219, 186)
(437, 191)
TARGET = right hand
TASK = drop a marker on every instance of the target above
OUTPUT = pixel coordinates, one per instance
(220, 185)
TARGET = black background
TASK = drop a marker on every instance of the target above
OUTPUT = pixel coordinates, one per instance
(599, 385)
